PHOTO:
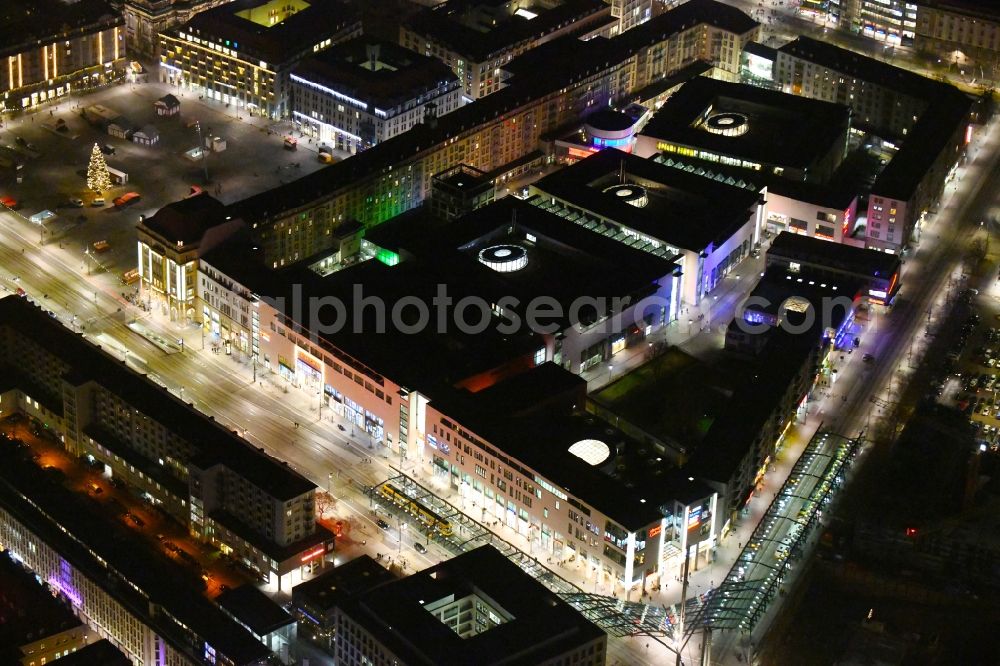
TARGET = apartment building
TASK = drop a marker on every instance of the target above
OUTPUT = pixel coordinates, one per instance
(123, 590)
(50, 49)
(929, 118)
(960, 32)
(242, 52)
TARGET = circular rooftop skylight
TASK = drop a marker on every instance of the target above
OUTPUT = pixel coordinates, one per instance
(727, 124)
(634, 195)
(504, 258)
(591, 451)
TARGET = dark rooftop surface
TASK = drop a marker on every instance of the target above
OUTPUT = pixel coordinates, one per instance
(538, 415)
(89, 363)
(476, 30)
(834, 255)
(565, 261)
(542, 627)
(819, 194)
(254, 609)
(31, 22)
(675, 397)
(684, 210)
(947, 114)
(387, 349)
(28, 611)
(989, 9)
(100, 653)
(186, 220)
(783, 129)
(74, 528)
(610, 120)
(279, 42)
(758, 49)
(349, 580)
(399, 75)
(863, 67)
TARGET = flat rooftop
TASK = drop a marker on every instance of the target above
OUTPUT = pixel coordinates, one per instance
(535, 624)
(25, 23)
(478, 28)
(828, 195)
(946, 112)
(763, 126)
(675, 397)
(254, 609)
(89, 363)
(543, 255)
(375, 72)
(827, 254)
(331, 589)
(272, 30)
(186, 221)
(684, 210)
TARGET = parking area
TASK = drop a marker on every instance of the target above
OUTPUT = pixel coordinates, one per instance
(118, 502)
(55, 146)
(970, 373)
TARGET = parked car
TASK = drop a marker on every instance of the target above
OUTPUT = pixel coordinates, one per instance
(108, 149)
(382, 524)
(10, 202)
(867, 358)
(419, 547)
(126, 199)
(76, 202)
(98, 202)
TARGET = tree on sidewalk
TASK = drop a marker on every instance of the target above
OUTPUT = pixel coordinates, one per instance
(98, 177)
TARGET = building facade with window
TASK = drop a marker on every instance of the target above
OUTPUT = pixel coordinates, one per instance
(146, 19)
(52, 49)
(357, 94)
(960, 32)
(242, 52)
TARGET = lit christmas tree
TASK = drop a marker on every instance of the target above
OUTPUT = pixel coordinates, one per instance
(98, 178)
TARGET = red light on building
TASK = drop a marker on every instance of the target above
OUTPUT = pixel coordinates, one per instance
(911, 532)
(654, 531)
(314, 553)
